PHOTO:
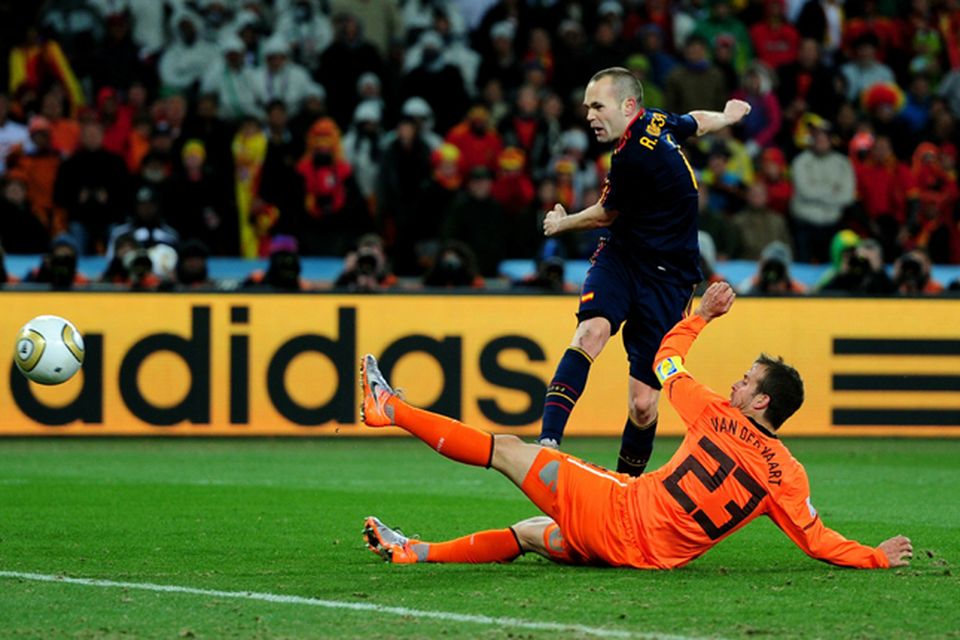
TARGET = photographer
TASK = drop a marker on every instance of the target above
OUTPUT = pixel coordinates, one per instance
(773, 273)
(283, 270)
(861, 271)
(911, 275)
(366, 269)
(549, 277)
(59, 266)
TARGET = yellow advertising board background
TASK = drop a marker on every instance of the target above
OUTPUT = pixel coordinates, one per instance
(802, 330)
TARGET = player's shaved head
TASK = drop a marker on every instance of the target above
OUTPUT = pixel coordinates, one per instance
(624, 83)
(783, 385)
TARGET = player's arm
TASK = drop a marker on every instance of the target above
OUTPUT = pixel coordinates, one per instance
(688, 396)
(710, 121)
(558, 221)
(797, 518)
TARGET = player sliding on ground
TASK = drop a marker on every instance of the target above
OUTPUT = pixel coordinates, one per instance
(730, 469)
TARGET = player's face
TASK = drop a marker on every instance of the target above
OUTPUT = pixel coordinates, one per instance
(744, 390)
(606, 113)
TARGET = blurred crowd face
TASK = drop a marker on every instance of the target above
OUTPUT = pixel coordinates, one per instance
(91, 136)
(15, 192)
(882, 151)
(757, 196)
(821, 142)
(808, 54)
(607, 114)
(527, 101)
(187, 31)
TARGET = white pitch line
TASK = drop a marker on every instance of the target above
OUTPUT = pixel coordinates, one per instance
(352, 606)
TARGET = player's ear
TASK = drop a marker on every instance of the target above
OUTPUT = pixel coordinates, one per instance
(760, 402)
(630, 106)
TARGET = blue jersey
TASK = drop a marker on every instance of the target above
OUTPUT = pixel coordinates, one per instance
(652, 186)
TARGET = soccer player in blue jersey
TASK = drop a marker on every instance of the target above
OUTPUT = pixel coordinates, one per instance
(644, 272)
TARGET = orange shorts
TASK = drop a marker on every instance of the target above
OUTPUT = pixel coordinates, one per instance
(588, 503)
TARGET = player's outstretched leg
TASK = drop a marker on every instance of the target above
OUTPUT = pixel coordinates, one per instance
(497, 545)
(448, 437)
(540, 535)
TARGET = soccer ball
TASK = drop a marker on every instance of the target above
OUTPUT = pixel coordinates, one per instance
(49, 350)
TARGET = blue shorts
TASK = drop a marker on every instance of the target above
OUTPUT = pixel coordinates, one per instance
(649, 307)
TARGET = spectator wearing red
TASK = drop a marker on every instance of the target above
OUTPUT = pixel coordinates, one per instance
(935, 190)
(887, 31)
(512, 188)
(526, 130)
(334, 206)
(773, 175)
(117, 119)
(540, 50)
(478, 142)
(883, 186)
(775, 41)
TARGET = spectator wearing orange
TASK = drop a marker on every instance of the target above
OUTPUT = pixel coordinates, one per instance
(64, 130)
(477, 139)
(883, 186)
(40, 167)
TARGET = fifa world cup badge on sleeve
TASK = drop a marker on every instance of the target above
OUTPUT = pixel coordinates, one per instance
(668, 368)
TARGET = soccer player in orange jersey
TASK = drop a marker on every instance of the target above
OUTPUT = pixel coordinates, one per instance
(730, 469)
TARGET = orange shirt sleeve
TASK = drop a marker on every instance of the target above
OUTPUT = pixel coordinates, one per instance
(687, 396)
(794, 514)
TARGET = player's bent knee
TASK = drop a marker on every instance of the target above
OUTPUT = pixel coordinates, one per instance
(642, 414)
(513, 457)
(542, 535)
(530, 533)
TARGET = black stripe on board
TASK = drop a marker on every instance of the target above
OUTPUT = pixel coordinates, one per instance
(897, 417)
(894, 382)
(895, 347)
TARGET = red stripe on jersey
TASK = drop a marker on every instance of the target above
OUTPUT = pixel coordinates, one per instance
(626, 132)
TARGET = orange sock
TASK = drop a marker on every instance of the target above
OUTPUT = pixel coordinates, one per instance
(446, 436)
(498, 545)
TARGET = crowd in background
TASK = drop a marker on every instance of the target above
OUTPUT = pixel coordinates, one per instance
(422, 140)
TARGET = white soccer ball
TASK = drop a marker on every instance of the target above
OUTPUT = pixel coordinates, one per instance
(49, 350)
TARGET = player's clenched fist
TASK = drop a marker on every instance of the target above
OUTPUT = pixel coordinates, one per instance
(736, 110)
(716, 301)
(553, 219)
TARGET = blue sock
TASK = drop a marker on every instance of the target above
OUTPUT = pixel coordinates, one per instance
(564, 391)
(636, 446)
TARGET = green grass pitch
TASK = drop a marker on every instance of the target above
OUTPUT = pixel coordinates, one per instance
(284, 517)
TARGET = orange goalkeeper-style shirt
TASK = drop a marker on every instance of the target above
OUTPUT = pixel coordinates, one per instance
(728, 471)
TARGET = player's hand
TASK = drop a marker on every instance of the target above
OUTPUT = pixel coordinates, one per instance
(716, 301)
(898, 550)
(553, 220)
(736, 110)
